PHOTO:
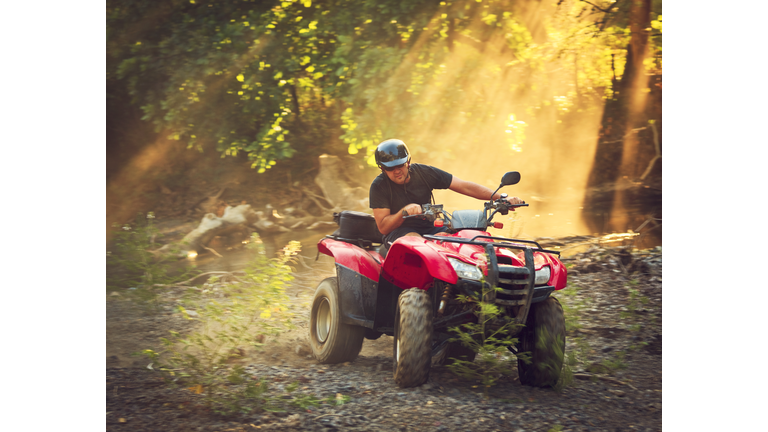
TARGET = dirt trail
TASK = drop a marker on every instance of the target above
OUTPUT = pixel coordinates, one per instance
(613, 304)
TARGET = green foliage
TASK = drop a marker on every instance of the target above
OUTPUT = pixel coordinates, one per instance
(272, 71)
(637, 346)
(566, 374)
(616, 363)
(490, 338)
(544, 342)
(579, 350)
(634, 303)
(300, 400)
(131, 264)
(572, 308)
(232, 318)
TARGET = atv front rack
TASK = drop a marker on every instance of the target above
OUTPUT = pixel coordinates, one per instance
(515, 284)
(518, 241)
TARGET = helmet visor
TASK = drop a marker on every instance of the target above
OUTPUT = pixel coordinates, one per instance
(394, 163)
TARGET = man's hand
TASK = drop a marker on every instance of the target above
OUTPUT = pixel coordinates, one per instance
(514, 200)
(386, 221)
(411, 209)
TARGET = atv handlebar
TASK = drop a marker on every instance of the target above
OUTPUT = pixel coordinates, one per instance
(426, 215)
(431, 212)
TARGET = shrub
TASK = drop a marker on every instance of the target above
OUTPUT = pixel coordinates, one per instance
(490, 338)
(232, 317)
(131, 263)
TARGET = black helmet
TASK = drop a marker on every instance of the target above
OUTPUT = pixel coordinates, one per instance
(391, 153)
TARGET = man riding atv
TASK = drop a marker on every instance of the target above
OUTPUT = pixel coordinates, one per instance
(424, 286)
(402, 188)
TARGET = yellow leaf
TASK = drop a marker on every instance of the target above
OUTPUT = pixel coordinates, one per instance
(240, 78)
(196, 389)
(184, 311)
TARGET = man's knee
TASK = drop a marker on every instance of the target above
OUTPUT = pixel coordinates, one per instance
(412, 234)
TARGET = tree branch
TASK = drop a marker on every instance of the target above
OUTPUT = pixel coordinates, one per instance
(208, 274)
(598, 7)
(213, 251)
(658, 151)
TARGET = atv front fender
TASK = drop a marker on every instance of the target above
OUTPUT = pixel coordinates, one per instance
(559, 273)
(559, 276)
(416, 262)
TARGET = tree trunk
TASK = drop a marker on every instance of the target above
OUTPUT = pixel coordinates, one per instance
(616, 156)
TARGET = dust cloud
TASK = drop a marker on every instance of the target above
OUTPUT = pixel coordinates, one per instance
(476, 138)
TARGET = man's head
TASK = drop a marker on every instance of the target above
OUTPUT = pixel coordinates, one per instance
(393, 158)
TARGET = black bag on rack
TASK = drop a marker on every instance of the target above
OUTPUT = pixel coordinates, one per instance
(354, 225)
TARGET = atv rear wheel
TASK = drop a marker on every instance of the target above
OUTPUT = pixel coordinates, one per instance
(412, 350)
(332, 341)
(544, 338)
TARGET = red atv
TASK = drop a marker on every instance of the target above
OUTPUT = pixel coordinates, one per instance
(409, 292)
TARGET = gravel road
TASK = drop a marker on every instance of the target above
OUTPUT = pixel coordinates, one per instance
(613, 309)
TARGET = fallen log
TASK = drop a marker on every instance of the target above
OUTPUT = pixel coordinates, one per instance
(336, 190)
(234, 219)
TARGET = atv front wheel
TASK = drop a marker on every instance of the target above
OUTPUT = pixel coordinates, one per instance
(412, 350)
(544, 339)
(332, 341)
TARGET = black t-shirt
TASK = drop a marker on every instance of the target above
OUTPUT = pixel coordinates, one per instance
(385, 193)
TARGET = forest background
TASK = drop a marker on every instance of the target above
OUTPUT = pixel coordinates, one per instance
(568, 93)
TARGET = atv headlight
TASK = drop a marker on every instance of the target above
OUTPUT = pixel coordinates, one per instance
(542, 276)
(464, 270)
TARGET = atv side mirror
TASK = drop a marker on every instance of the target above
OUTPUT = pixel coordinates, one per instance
(510, 178)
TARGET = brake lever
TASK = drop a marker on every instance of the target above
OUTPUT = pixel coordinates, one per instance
(422, 216)
(505, 207)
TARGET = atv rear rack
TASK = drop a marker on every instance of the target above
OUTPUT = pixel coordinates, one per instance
(516, 284)
(363, 243)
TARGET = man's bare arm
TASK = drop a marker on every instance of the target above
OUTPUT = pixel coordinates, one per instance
(388, 222)
(477, 191)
